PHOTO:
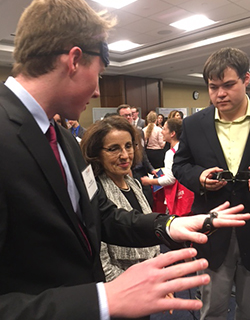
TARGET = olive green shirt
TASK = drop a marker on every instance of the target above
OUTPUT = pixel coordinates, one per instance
(233, 137)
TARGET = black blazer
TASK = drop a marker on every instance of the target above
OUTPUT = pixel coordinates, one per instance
(46, 271)
(200, 149)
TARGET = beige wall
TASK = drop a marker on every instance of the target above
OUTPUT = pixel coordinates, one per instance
(86, 116)
(181, 96)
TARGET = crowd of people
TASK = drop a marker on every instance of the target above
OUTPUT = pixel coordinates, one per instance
(158, 139)
(78, 238)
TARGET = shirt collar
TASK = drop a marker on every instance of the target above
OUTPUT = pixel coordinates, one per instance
(217, 117)
(29, 102)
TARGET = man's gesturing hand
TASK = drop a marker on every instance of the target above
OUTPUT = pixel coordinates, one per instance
(142, 289)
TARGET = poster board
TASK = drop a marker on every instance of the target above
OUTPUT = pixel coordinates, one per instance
(166, 111)
(99, 113)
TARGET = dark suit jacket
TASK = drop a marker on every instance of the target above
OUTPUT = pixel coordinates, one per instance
(141, 123)
(200, 149)
(46, 271)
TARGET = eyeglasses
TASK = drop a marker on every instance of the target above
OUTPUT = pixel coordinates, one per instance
(127, 115)
(104, 53)
(226, 175)
(117, 150)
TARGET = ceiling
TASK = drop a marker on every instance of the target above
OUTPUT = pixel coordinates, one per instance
(168, 53)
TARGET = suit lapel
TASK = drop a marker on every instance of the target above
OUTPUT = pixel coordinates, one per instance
(76, 167)
(245, 161)
(208, 125)
(35, 141)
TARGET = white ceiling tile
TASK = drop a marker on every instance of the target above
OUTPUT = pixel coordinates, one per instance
(197, 6)
(177, 52)
(146, 8)
(235, 1)
(122, 34)
(169, 34)
(171, 15)
(244, 4)
(175, 2)
(225, 13)
(144, 25)
(143, 38)
(124, 18)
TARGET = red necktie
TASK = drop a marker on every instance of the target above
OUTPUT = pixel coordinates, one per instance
(51, 136)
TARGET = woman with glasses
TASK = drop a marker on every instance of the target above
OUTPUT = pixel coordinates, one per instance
(112, 146)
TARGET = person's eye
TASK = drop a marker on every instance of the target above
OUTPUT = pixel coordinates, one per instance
(229, 85)
(213, 88)
(113, 149)
(128, 146)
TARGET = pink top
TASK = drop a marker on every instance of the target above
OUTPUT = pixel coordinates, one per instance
(156, 139)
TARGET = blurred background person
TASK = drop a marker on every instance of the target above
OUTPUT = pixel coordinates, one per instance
(154, 141)
(60, 120)
(160, 120)
(76, 129)
(181, 114)
(137, 121)
(171, 134)
(174, 114)
(143, 167)
(112, 147)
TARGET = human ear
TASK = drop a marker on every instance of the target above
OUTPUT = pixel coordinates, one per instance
(75, 56)
(247, 79)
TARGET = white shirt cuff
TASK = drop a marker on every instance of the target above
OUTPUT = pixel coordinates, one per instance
(103, 302)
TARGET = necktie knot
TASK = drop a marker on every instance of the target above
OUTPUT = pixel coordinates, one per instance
(51, 134)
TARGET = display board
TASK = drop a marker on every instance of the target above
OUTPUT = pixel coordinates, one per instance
(166, 111)
(194, 110)
(99, 113)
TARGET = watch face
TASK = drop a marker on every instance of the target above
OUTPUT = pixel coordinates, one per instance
(195, 95)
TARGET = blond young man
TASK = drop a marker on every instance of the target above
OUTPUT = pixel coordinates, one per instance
(53, 217)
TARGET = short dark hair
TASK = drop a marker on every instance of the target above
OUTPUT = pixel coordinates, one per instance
(175, 125)
(92, 141)
(137, 110)
(122, 106)
(223, 59)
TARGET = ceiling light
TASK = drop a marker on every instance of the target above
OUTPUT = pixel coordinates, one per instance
(198, 75)
(117, 4)
(193, 22)
(123, 45)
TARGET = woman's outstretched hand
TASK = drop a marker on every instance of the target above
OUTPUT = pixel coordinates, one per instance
(187, 228)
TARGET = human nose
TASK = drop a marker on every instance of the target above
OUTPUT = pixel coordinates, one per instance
(123, 152)
(96, 93)
(221, 91)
